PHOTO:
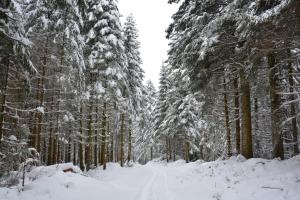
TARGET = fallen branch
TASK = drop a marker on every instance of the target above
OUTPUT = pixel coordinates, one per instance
(69, 170)
(272, 188)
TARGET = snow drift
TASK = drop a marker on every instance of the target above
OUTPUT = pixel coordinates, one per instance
(232, 179)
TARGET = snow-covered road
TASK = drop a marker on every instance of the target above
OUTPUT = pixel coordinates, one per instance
(149, 182)
(233, 179)
(157, 187)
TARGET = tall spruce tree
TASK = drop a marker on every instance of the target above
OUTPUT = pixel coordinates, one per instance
(134, 77)
(106, 62)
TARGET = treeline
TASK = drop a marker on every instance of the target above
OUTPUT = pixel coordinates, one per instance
(231, 83)
(72, 86)
(71, 83)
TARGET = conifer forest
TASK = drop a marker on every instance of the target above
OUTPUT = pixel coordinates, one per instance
(77, 110)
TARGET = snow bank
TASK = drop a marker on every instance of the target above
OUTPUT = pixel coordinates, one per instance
(49, 183)
(238, 178)
(49, 171)
(232, 179)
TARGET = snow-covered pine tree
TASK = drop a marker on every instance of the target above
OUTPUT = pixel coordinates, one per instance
(135, 75)
(208, 37)
(192, 33)
(15, 68)
(106, 62)
(40, 23)
(54, 28)
(69, 76)
(145, 141)
(135, 72)
(162, 107)
(182, 117)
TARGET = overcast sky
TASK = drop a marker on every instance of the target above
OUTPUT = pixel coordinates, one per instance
(153, 18)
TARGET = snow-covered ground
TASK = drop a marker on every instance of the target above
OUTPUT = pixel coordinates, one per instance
(233, 179)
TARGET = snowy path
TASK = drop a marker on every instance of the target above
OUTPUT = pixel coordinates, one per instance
(156, 187)
(221, 180)
(144, 182)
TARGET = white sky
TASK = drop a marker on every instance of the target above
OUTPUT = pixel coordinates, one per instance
(152, 18)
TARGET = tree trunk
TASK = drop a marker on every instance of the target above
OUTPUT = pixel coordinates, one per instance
(117, 148)
(227, 125)
(41, 98)
(89, 146)
(122, 139)
(40, 115)
(44, 156)
(34, 118)
(111, 146)
(3, 102)
(277, 140)
(96, 139)
(103, 137)
(174, 150)
(70, 143)
(256, 140)
(81, 159)
(237, 116)
(170, 149)
(86, 154)
(59, 149)
(246, 148)
(129, 143)
(107, 143)
(55, 151)
(74, 153)
(295, 130)
(68, 153)
(100, 148)
(50, 141)
(187, 149)
(167, 149)
(107, 151)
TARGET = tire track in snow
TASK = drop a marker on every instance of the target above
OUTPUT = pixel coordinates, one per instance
(168, 194)
(161, 185)
(146, 192)
(156, 188)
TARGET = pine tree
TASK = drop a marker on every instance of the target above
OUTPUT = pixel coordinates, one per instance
(208, 37)
(146, 143)
(135, 75)
(15, 69)
(182, 115)
(106, 60)
(135, 72)
(162, 106)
